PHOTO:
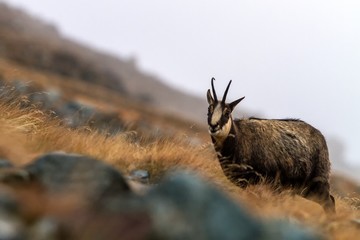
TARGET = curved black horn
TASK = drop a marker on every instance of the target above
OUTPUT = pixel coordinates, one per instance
(213, 89)
(226, 91)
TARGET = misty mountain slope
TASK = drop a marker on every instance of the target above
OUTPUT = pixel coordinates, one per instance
(30, 41)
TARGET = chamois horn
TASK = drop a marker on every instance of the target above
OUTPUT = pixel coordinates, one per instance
(213, 89)
(226, 91)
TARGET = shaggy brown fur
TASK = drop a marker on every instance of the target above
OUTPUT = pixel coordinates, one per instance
(287, 153)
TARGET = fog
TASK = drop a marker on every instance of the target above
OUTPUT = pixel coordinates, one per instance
(298, 59)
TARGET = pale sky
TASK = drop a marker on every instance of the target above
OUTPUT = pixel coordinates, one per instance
(298, 58)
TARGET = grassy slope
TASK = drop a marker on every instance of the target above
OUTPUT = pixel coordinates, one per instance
(27, 133)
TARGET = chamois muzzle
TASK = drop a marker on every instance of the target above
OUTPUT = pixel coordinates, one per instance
(214, 128)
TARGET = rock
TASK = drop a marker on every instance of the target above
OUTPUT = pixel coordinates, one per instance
(11, 175)
(11, 229)
(76, 114)
(46, 100)
(139, 175)
(121, 217)
(45, 229)
(184, 207)
(281, 229)
(61, 172)
(8, 203)
(4, 163)
(180, 207)
(11, 226)
(22, 87)
(138, 187)
(133, 225)
(109, 123)
(14, 176)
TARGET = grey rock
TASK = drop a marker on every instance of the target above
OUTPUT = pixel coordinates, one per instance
(11, 225)
(4, 163)
(281, 229)
(45, 229)
(61, 172)
(109, 123)
(8, 203)
(45, 99)
(76, 114)
(14, 176)
(11, 229)
(184, 207)
(139, 175)
(21, 86)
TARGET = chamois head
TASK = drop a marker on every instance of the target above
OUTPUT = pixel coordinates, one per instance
(219, 113)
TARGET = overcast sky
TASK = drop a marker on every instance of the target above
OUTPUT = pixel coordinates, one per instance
(298, 58)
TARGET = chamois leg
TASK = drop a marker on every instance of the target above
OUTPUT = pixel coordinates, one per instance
(242, 175)
(319, 191)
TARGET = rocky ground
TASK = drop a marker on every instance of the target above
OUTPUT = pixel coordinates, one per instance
(64, 181)
(68, 196)
(88, 152)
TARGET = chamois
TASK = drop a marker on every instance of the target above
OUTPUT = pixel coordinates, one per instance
(287, 153)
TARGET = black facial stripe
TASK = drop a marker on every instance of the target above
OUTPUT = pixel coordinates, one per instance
(225, 114)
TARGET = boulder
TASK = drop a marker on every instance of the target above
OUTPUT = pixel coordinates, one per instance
(185, 207)
(72, 173)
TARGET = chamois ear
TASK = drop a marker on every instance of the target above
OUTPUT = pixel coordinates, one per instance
(234, 103)
(209, 97)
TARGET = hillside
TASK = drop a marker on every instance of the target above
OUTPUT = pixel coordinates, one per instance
(27, 133)
(29, 41)
(57, 95)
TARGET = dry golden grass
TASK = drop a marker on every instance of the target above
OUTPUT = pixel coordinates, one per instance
(26, 133)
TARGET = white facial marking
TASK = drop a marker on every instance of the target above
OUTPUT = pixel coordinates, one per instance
(222, 133)
(215, 118)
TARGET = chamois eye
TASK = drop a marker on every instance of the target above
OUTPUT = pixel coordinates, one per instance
(227, 112)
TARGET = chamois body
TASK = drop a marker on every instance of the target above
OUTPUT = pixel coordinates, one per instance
(287, 153)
